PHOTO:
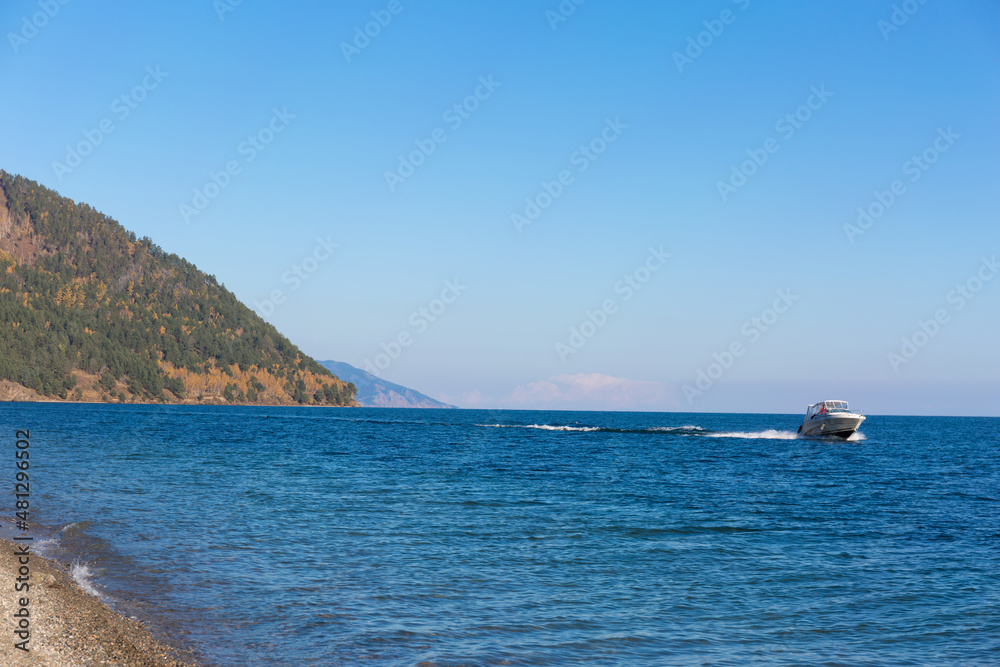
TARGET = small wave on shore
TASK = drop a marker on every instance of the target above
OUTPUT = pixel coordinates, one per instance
(83, 575)
(59, 545)
(44, 545)
(52, 541)
(74, 529)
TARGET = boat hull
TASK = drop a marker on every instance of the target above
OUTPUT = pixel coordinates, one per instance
(840, 426)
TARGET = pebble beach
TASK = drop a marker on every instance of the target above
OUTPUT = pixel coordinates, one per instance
(68, 626)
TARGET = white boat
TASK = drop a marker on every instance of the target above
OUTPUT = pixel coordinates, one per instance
(831, 418)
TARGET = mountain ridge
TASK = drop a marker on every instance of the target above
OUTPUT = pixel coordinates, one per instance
(90, 312)
(374, 392)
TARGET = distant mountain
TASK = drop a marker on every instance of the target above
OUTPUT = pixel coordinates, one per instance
(374, 392)
(88, 312)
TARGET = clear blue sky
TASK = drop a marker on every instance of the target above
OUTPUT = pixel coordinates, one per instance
(871, 89)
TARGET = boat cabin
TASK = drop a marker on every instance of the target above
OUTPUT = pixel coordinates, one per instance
(826, 407)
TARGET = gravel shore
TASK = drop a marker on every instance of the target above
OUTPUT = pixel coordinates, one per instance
(68, 626)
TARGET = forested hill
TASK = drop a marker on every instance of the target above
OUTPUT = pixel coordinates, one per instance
(90, 312)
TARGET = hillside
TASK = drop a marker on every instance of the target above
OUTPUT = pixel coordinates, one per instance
(90, 312)
(374, 392)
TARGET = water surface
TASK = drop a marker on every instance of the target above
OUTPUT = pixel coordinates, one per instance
(316, 536)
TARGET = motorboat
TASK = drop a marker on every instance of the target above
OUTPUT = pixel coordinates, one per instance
(833, 418)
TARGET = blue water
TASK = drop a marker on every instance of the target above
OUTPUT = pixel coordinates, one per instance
(261, 536)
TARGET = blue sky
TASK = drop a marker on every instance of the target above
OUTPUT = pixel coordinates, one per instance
(739, 138)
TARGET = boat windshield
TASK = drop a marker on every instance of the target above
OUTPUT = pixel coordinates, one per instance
(826, 407)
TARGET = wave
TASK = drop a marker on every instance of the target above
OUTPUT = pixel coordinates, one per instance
(83, 575)
(769, 434)
(44, 545)
(74, 529)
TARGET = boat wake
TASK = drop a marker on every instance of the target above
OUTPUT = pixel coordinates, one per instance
(768, 434)
(677, 430)
(688, 430)
(548, 427)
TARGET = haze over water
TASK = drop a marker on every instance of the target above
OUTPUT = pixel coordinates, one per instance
(402, 537)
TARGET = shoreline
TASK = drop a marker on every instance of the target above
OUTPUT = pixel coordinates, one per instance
(11, 392)
(69, 626)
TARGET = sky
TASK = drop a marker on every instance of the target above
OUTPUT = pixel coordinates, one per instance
(725, 206)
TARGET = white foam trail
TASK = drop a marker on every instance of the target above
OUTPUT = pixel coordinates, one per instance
(769, 434)
(544, 427)
(82, 575)
(670, 429)
(856, 437)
